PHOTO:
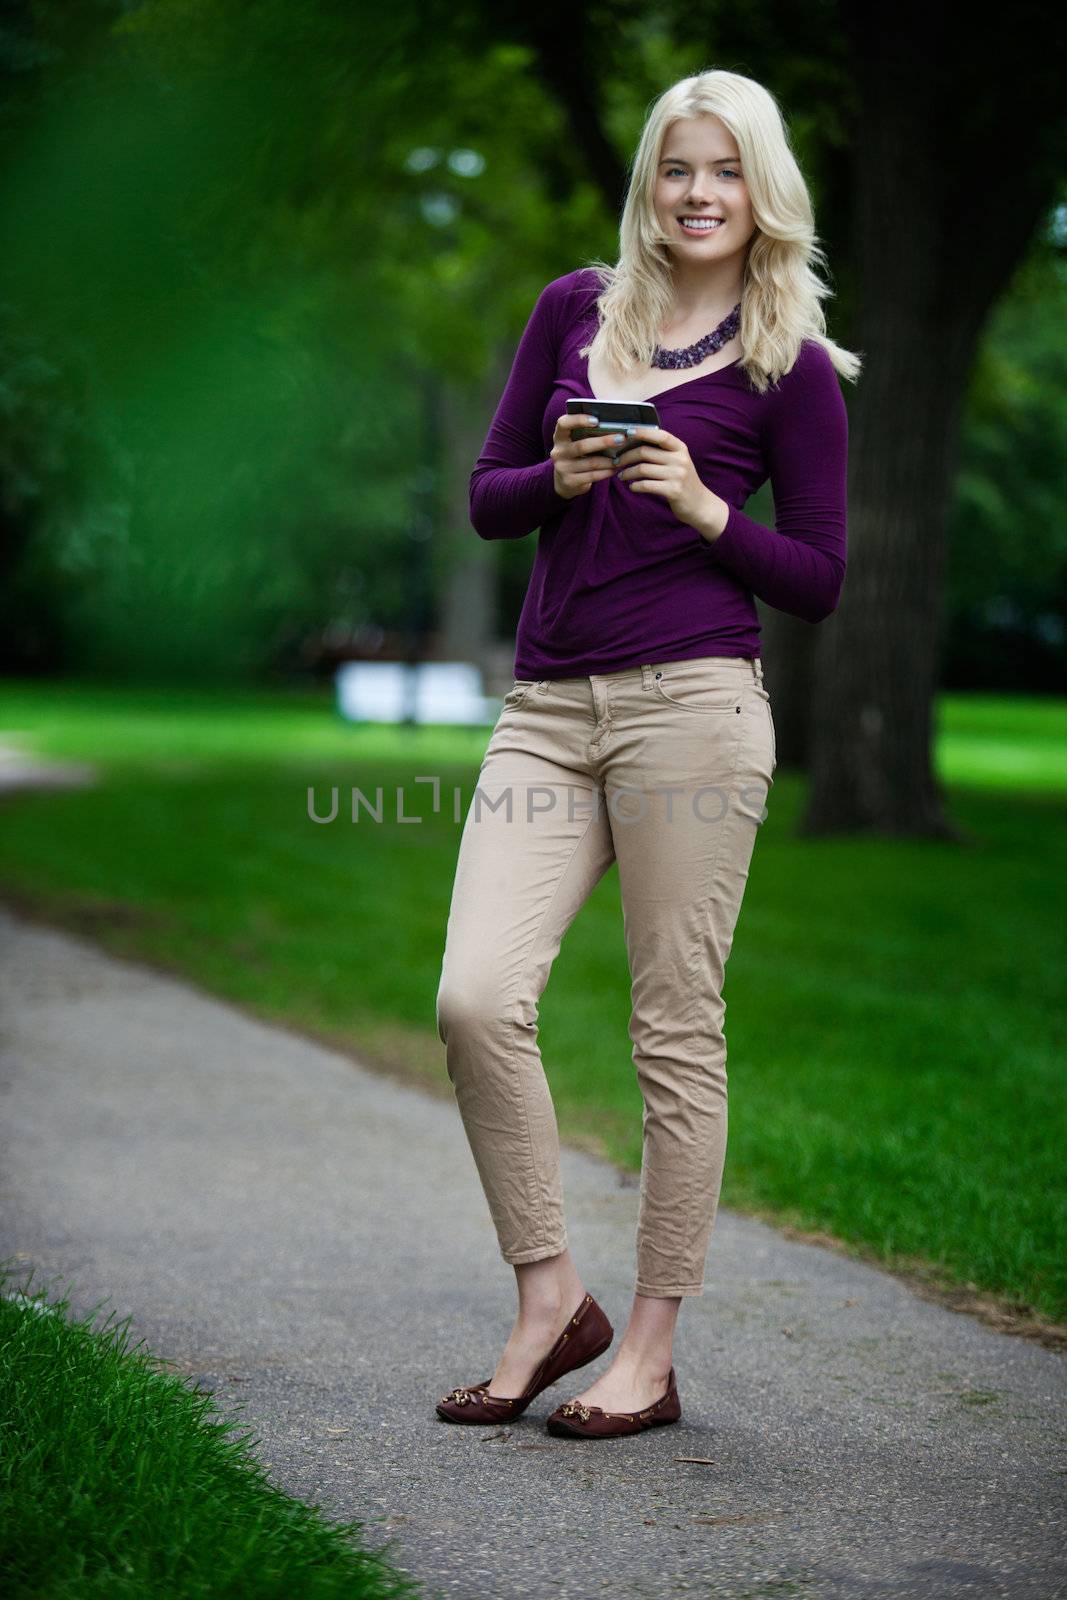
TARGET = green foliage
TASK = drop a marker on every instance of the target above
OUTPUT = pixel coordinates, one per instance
(231, 349)
(1008, 561)
(240, 242)
(53, 439)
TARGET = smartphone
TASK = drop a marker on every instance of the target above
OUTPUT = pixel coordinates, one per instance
(614, 416)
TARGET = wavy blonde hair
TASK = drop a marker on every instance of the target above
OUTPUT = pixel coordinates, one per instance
(781, 294)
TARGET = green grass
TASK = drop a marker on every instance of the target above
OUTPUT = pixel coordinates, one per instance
(118, 1480)
(894, 1008)
(1004, 742)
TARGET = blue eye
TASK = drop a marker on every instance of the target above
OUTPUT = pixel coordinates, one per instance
(731, 170)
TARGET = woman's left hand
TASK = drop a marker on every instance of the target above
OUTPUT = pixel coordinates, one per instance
(658, 462)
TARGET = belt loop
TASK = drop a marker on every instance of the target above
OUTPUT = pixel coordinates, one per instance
(757, 667)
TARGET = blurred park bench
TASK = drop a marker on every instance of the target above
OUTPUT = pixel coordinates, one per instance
(428, 691)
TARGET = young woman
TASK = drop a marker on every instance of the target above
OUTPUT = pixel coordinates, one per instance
(639, 729)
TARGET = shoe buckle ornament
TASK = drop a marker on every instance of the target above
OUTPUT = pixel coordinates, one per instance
(460, 1396)
(574, 1408)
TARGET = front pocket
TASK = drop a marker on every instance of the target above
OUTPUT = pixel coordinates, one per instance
(517, 695)
(689, 694)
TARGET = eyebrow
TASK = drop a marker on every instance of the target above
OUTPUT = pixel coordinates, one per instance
(675, 161)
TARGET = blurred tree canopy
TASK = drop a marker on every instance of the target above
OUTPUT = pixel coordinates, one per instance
(239, 238)
(1008, 551)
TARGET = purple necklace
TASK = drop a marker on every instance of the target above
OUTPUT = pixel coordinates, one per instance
(703, 347)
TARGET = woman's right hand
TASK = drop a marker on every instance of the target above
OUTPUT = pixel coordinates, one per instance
(579, 463)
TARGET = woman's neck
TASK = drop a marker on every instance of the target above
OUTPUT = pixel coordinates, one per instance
(705, 295)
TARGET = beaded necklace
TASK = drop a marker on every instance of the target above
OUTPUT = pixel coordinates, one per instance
(694, 353)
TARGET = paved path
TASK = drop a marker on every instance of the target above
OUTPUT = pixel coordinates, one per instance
(309, 1241)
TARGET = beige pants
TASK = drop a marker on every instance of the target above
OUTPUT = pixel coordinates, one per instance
(664, 768)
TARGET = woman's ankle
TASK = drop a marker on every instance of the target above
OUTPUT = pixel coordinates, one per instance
(548, 1289)
(644, 1361)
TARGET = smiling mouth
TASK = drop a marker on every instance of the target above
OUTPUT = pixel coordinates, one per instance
(695, 225)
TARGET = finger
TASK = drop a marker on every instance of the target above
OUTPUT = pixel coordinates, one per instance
(606, 443)
(590, 464)
(645, 433)
(576, 458)
(634, 453)
(643, 452)
(569, 420)
(585, 480)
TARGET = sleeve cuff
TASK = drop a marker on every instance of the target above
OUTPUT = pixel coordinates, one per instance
(510, 502)
(543, 500)
(553, 501)
(731, 541)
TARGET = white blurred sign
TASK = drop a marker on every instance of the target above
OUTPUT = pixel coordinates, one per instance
(435, 691)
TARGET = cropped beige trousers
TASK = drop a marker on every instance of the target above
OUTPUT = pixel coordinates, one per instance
(664, 768)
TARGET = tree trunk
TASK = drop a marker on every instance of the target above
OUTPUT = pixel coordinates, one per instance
(941, 220)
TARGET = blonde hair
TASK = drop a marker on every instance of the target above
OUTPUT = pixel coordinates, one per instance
(781, 294)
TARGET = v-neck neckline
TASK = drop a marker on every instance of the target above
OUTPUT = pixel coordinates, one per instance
(659, 394)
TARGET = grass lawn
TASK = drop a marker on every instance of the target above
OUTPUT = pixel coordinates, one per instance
(117, 1479)
(894, 1009)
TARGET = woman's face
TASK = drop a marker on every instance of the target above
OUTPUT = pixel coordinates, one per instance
(699, 175)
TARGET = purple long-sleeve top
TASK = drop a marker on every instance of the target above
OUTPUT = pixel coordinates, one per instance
(618, 580)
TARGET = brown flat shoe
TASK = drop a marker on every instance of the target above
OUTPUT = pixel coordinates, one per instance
(586, 1336)
(577, 1421)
